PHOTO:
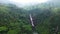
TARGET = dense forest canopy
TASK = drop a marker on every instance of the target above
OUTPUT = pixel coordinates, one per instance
(16, 20)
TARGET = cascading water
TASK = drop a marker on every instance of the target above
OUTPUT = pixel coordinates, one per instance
(31, 20)
(33, 26)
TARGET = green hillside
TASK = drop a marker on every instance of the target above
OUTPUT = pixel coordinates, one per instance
(14, 20)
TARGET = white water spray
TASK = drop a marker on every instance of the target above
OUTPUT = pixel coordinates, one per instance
(31, 20)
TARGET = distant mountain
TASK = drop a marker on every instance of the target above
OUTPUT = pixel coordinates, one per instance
(54, 3)
(4, 1)
(49, 4)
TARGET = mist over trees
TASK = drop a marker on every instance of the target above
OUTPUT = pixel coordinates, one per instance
(15, 20)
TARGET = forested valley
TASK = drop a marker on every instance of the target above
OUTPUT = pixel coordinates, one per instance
(15, 20)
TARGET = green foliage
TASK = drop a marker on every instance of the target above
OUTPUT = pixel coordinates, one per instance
(14, 20)
(12, 32)
(2, 28)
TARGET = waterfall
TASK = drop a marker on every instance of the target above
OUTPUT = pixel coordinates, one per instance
(31, 20)
(33, 26)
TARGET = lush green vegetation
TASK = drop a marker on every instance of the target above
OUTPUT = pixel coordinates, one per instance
(14, 20)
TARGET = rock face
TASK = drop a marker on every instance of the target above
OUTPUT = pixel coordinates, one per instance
(35, 33)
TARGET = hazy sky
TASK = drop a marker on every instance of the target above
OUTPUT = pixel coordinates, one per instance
(24, 2)
(28, 1)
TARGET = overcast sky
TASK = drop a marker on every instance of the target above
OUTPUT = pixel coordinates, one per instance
(24, 2)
